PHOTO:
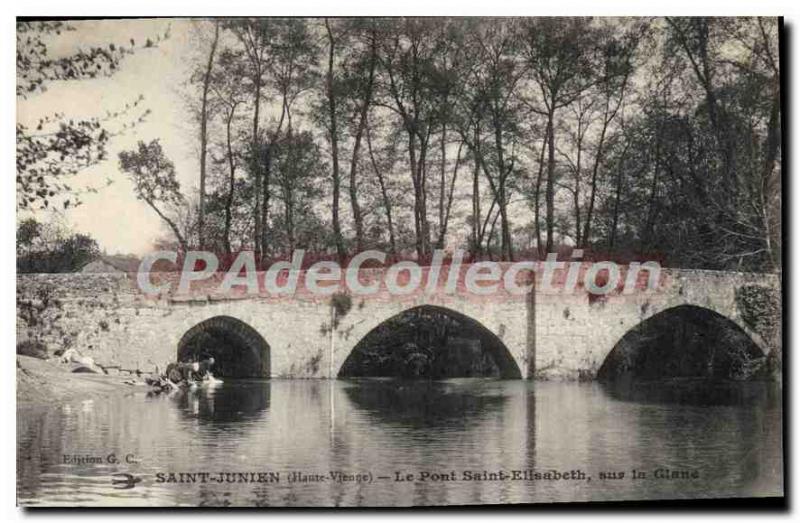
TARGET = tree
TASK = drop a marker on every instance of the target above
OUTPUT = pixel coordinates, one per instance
(359, 81)
(36, 68)
(406, 58)
(333, 137)
(59, 147)
(292, 73)
(228, 97)
(604, 126)
(495, 81)
(154, 182)
(255, 39)
(349, 88)
(561, 55)
(49, 248)
(382, 164)
(736, 73)
(204, 116)
(617, 59)
(451, 65)
(296, 171)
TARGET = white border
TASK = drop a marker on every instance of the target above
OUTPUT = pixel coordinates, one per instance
(786, 8)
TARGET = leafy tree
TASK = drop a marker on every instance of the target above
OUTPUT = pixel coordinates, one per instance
(60, 147)
(154, 182)
(562, 57)
(296, 173)
(47, 248)
(36, 67)
(494, 114)
(204, 76)
(640, 137)
(344, 106)
(280, 55)
(229, 101)
(406, 59)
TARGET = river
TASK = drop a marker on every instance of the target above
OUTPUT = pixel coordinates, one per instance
(399, 443)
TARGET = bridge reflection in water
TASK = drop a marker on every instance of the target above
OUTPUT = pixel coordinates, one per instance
(384, 427)
(722, 437)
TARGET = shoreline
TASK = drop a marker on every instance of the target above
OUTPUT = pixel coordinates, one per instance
(44, 384)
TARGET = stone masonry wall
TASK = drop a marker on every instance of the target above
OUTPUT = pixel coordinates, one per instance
(105, 317)
(552, 336)
(574, 333)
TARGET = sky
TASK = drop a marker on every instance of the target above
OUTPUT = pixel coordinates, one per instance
(113, 216)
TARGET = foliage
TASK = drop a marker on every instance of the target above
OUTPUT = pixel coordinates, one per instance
(423, 343)
(760, 308)
(59, 146)
(154, 180)
(341, 303)
(628, 138)
(32, 348)
(36, 67)
(44, 248)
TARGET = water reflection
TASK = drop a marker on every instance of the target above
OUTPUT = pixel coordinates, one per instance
(234, 402)
(700, 392)
(389, 426)
(422, 403)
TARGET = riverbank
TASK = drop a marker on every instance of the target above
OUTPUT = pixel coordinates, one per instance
(41, 383)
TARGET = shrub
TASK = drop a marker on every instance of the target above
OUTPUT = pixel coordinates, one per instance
(32, 348)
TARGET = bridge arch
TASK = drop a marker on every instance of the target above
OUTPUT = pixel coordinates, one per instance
(684, 341)
(239, 350)
(430, 341)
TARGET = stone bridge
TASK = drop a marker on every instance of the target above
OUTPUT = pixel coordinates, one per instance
(546, 333)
